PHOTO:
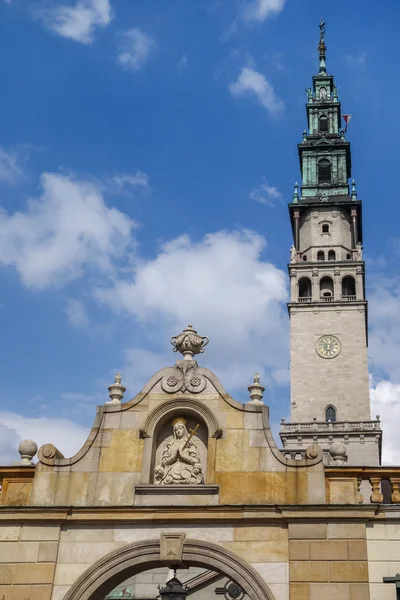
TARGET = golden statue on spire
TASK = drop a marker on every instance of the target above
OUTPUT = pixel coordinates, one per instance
(322, 30)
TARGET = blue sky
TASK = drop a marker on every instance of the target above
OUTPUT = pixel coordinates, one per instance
(147, 154)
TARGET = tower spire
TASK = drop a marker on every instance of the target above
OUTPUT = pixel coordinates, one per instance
(322, 47)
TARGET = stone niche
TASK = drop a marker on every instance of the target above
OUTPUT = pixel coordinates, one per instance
(167, 445)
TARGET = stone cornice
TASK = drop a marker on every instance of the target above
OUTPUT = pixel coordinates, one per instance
(190, 514)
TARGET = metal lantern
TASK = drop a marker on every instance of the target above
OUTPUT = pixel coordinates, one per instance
(173, 590)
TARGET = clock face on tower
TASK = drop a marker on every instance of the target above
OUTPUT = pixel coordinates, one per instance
(328, 346)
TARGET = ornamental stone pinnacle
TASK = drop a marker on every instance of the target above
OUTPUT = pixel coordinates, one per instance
(117, 390)
(189, 343)
(256, 391)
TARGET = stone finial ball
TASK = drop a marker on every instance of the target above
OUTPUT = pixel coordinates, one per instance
(337, 449)
(28, 448)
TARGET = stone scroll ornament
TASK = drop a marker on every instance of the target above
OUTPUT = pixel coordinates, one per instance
(180, 459)
(184, 376)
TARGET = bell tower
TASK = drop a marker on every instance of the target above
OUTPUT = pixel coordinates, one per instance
(328, 310)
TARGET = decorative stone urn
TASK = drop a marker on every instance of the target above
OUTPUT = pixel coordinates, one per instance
(189, 343)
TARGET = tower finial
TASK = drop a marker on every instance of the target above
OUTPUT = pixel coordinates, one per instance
(321, 46)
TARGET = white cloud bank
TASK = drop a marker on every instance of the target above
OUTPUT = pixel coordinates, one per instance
(78, 22)
(222, 285)
(253, 83)
(66, 435)
(134, 49)
(385, 402)
(65, 232)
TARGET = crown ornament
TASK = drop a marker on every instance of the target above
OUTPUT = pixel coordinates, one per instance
(179, 420)
(189, 343)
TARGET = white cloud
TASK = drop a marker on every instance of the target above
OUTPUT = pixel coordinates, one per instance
(224, 288)
(11, 171)
(260, 10)
(76, 312)
(251, 82)
(138, 180)
(78, 22)
(66, 435)
(266, 194)
(135, 49)
(385, 402)
(65, 232)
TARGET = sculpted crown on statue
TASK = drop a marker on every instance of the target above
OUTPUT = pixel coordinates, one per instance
(180, 460)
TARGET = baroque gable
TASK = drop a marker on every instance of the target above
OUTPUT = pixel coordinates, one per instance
(181, 439)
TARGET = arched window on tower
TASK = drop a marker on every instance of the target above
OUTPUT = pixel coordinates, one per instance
(348, 288)
(304, 289)
(320, 255)
(324, 171)
(330, 414)
(325, 228)
(323, 124)
(326, 289)
(331, 255)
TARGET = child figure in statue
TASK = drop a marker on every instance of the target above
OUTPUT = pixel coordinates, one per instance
(180, 460)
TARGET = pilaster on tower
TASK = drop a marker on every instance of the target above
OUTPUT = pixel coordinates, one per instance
(328, 309)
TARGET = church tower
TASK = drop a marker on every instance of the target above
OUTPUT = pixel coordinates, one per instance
(328, 310)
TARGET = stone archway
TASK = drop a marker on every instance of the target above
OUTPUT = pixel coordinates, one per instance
(131, 559)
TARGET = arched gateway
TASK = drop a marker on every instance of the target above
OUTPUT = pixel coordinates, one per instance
(131, 559)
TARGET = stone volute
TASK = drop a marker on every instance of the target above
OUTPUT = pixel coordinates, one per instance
(189, 343)
(27, 450)
(256, 391)
(117, 391)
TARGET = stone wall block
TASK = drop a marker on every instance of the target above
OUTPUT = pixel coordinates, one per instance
(299, 550)
(34, 573)
(75, 552)
(6, 574)
(125, 453)
(346, 530)
(59, 592)
(18, 552)
(307, 531)
(260, 533)
(330, 591)
(358, 550)
(67, 574)
(40, 532)
(273, 572)
(309, 571)
(352, 571)
(259, 551)
(360, 591)
(129, 420)
(234, 420)
(299, 591)
(47, 551)
(93, 533)
(9, 533)
(329, 550)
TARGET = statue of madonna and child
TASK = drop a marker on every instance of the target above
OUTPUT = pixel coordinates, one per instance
(180, 459)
